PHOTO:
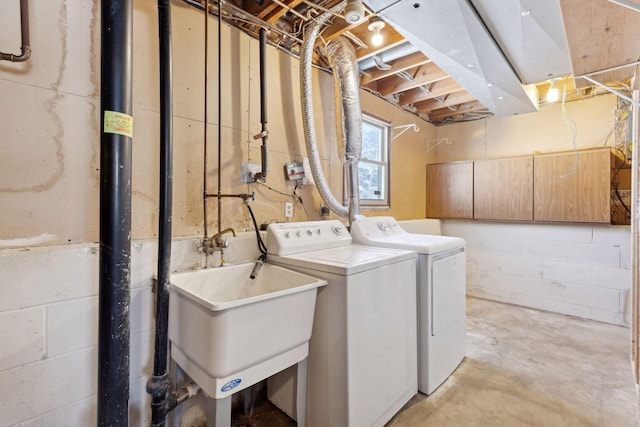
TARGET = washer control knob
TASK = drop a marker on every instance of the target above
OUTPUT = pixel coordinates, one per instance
(309, 232)
(336, 229)
(382, 226)
(287, 234)
(298, 233)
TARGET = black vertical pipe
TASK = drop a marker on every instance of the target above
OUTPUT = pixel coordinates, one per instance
(115, 212)
(263, 77)
(158, 385)
(264, 153)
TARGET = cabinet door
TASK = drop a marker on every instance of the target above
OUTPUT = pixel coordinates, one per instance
(450, 190)
(573, 186)
(503, 189)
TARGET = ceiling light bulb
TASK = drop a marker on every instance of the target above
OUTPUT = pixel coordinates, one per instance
(553, 94)
(376, 25)
(377, 38)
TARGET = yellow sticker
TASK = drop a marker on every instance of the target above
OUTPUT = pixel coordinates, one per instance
(119, 123)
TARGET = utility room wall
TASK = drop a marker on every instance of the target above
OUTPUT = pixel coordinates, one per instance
(49, 185)
(581, 270)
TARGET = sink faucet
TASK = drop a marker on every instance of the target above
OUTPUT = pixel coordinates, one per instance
(217, 242)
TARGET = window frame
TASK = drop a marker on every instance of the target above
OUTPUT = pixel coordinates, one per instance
(385, 132)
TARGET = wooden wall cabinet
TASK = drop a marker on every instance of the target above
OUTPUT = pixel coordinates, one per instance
(450, 190)
(575, 186)
(503, 189)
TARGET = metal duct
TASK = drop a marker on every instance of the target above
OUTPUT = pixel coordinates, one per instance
(351, 117)
(453, 36)
(342, 58)
(388, 55)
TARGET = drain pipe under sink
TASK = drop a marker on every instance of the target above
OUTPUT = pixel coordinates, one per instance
(159, 384)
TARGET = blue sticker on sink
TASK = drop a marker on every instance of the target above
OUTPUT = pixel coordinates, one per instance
(231, 384)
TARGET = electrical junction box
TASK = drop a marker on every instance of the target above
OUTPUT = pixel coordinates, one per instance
(294, 171)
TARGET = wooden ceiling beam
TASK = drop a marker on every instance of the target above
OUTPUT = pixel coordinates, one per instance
(443, 113)
(278, 13)
(401, 64)
(455, 98)
(424, 74)
(439, 88)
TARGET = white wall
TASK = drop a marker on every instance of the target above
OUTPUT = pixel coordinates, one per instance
(577, 269)
(580, 270)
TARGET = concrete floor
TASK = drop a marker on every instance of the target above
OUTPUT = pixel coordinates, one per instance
(523, 368)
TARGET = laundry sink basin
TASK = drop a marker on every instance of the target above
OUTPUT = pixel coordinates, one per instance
(229, 331)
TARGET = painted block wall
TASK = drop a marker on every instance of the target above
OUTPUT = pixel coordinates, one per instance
(49, 186)
(577, 269)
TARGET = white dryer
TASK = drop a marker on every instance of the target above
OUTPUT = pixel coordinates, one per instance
(441, 279)
(362, 365)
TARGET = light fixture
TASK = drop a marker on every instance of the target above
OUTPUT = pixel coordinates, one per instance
(553, 94)
(353, 11)
(376, 25)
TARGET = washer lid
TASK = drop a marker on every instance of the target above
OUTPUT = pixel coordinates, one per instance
(345, 260)
(385, 231)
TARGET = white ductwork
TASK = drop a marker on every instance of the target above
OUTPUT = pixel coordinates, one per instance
(342, 58)
(456, 39)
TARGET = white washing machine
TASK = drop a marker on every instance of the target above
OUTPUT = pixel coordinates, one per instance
(441, 279)
(362, 365)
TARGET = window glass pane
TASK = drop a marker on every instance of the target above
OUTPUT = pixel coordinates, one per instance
(372, 142)
(371, 179)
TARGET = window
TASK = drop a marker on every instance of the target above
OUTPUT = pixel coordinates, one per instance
(373, 170)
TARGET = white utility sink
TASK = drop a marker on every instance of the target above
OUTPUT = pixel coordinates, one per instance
(229, 331)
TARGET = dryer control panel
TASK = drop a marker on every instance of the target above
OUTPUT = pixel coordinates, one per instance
(295, 237)
(378, 226)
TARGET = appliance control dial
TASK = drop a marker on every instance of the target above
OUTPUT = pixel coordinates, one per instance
(309, 232)
(287, 235)
(336, 229)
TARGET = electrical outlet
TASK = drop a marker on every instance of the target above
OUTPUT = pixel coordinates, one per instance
(288, 210)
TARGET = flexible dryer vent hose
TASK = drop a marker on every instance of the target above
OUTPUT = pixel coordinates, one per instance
(343, 62)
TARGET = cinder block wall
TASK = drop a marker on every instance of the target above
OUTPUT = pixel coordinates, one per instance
(49, 330)
(579, 270)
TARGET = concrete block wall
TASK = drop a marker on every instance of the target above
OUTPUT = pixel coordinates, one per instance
(49, 329)
(579, 270)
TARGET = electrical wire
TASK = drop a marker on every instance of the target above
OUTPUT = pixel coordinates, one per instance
(573, 127)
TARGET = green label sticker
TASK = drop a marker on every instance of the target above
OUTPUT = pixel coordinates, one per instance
(119, 123)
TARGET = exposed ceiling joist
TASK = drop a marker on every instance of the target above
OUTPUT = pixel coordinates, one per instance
(452, 99)
(423, 74)
(402, 64)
